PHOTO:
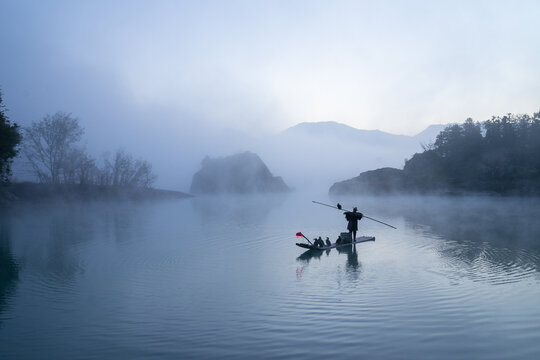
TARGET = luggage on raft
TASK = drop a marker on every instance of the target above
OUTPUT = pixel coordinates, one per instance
(348, 241)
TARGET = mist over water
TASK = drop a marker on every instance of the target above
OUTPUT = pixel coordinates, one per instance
(152, 96)
(220, 277)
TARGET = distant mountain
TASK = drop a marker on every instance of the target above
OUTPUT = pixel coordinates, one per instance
(238, 174)
(499, 156)
(429, 135)
(345, 133)
(317, 154)
(384, 180)
(348, 133)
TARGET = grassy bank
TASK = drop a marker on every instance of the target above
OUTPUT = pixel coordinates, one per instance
(27, 191)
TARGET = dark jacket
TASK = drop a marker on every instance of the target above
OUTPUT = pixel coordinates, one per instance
(352, 218)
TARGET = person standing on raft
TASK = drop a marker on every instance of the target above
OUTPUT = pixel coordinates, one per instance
(352, 218)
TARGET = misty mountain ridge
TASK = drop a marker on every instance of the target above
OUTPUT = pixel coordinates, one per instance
(306, 154)
(345, 132)
(429, 134)
(317, 154)
(497, 156)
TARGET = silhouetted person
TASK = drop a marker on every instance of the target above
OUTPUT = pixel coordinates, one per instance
(352, 218)
(328, 242)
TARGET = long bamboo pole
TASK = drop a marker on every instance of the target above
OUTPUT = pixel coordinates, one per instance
(367, 217)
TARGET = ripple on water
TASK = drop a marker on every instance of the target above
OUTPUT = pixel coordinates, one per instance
(488, 264)
(51, 281)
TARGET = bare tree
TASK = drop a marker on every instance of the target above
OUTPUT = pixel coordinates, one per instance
(49, 144)
(144, 176)
(79, 168)
(88, 171)
(124, 170)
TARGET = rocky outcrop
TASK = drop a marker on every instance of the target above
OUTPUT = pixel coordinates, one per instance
(237, 174)
(385, 180)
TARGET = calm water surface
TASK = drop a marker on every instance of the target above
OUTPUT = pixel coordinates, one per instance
(222, 278)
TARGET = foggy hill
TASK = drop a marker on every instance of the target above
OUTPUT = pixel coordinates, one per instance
(346, 133)
(307, 155)
(335, 130)
(497, 156)
(317, 154)
(238, 174)
(387, 180)
(429, 134)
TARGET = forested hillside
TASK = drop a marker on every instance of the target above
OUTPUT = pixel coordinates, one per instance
(500, 155)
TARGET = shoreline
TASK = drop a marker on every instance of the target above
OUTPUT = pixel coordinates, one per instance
(30, 192)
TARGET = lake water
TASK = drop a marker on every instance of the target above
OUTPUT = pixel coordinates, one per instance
(222, 278)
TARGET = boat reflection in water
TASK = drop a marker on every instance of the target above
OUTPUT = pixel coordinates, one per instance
(352, 263)
(310, 254)
(352, 257)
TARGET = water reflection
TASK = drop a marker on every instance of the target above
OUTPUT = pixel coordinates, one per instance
(511, 223)
(125, 222)
(9, 269)
(50, 236)
(246, 209)
(65, 229)
(310, 254)
(352, 264)
(490, 240)
(153, 272)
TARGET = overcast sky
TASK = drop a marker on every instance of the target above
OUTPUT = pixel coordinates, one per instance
(395, 66)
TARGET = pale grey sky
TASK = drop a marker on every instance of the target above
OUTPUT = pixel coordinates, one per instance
(397, 66)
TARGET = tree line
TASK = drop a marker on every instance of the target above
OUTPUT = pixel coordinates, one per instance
(10, 137)
(499, 155)
(54, 151)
